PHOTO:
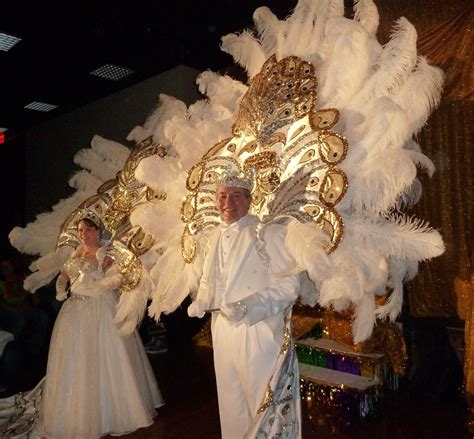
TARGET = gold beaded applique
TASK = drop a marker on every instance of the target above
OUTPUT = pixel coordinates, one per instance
(288, 145)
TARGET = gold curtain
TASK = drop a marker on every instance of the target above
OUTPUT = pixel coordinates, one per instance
(445, 285)
(445, 37)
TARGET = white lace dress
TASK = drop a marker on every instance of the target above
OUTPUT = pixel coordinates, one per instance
(97, 382)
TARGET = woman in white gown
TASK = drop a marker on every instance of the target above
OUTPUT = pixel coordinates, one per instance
(97, 382)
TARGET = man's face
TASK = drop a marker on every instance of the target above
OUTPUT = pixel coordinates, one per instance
(232, 203)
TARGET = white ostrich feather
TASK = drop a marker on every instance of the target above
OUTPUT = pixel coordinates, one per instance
(270, 30)
(39, 279)
(327, 13)
(154, 171)
(410, 197)
(159, 220)
(186, 139)
(347, 64)
(221, 90)
(39, 237)
(385, 123)
(171, 280)
(395, 64)
(400, 271)
(360, 273)
(364, 318)
(357, 270)
(420, 94)
(84, 181)
(381, 180)
(167, 107)
(212, 121)
(398, 57)
(397, 236)
(52, 260)
(132, 306)
(98, 167)
(306, 243)
(45, 269)
(367, 14)
(113, 152)
(246, 51)
(420, 159)
(175, 279)
(301, 26)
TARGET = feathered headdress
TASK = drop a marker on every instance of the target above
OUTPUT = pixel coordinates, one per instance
(327, 122)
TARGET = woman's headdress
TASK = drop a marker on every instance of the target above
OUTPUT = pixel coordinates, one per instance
(91, 216)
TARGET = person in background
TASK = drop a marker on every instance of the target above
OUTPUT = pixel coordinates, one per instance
(22, 358)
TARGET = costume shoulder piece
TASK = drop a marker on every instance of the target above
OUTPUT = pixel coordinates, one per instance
(326, 128)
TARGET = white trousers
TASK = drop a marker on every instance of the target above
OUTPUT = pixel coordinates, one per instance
(244, 360)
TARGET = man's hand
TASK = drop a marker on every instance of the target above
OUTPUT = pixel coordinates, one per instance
(196, 310)
(234, 312)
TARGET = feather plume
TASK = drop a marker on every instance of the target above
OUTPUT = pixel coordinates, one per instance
(222, 90)
(300, 27)
(83, 181)
(39, 279)
(167, 108)
(367, 14)
(306, 244)
(132, 306)
(39, 237)
(410, 197)
(246, 51)
(420, 94)
(347, 65)
(364, 319)
(112, 152)
(53, 260)
(397, 236)
(154, 171)
(95, 163)
(170, 277)
(270, 31)
(400, 271)
(419, 158)
(159, 220)
(395, 64)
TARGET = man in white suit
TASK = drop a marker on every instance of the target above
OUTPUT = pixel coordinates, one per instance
(250, 284)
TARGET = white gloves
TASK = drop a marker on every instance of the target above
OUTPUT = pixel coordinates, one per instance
(234, 312)
(61, 284)
(196, 310)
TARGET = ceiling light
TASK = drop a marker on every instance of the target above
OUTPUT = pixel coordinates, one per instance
(7, 41)
(40, 106)
(113, 72)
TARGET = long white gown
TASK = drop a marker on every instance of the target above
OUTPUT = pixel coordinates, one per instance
(97, 382)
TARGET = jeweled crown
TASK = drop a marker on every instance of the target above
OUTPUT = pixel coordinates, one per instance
(232, 178)
(90, 215)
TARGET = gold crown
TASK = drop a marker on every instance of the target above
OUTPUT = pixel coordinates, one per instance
(231, 178)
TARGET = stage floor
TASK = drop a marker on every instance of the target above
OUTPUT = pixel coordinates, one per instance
(186, 379)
